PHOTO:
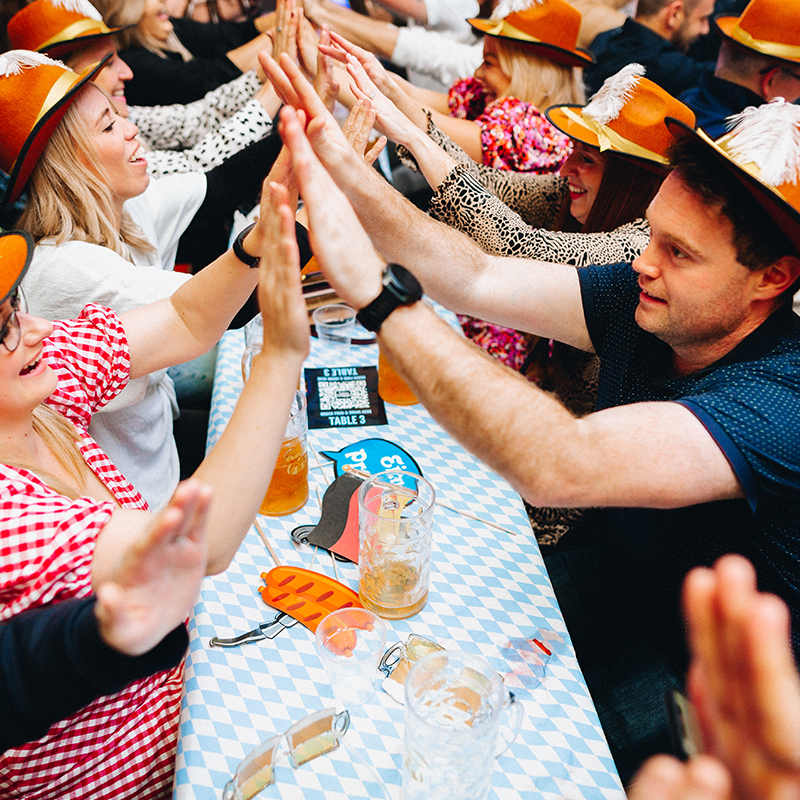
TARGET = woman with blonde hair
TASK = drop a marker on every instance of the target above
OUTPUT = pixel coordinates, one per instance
(105, 232)
(179, 60)
(67, 513)
(531, 61)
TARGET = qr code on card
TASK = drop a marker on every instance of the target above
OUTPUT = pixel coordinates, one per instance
(343, 395)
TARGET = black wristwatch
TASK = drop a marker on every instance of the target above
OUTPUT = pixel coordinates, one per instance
(400, 288)
(241, 253)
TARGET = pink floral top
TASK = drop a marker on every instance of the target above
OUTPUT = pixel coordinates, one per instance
(515, 135)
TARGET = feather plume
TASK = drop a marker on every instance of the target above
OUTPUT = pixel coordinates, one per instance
(78, 7)
(506, 7)
(14, 61)
(769, 137)
(612, 96)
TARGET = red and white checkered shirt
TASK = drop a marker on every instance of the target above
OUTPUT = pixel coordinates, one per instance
(121, 745)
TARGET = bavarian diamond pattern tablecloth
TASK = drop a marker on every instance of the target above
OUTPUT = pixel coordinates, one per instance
(489, 594)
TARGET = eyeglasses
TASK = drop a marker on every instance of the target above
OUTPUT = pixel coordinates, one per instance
(313, 736)
(10, 333)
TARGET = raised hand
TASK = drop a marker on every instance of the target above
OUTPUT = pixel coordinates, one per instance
(666, 778)
(357, 128)
(325, 84)
(158, 577)
(743, 679)
(343, 250)
(280, 294)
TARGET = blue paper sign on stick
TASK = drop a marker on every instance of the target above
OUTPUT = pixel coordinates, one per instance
(372, 455)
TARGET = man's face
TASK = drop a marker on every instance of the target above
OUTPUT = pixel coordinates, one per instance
(695, 295)
(113, 77)
(694, 24)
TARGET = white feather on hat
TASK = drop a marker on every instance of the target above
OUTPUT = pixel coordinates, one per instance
(769, 137)
(14, 61)
(506, 7)
(78, 7)
(612, 96)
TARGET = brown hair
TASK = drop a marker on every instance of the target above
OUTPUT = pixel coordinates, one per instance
(61, 438)
(758, 241)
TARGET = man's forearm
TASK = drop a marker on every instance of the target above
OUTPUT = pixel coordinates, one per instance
(371, 34)
(444, 259)
(518, 430)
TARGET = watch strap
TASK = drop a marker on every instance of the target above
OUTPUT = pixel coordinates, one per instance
(400, 288)
(241, 253)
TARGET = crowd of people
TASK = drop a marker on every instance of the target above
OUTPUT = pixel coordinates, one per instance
(614, 216)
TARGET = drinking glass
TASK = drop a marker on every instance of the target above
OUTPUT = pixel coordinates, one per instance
(391, 387)
(455, 706)
(350, 641)
(395, 521)
(288, 489)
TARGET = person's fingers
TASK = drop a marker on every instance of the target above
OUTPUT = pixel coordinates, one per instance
(371, 156)
(666, 778)
(307, 98)
(277, 77)
(331, 51)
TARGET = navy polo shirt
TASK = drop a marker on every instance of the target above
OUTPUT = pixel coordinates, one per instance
(715, 99)
(749, 401)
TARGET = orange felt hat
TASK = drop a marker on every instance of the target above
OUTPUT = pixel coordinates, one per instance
(762, 151)
(35, 92)
(16, 252)
(57, 27)
(626, 115)
(770, 27)
(550, 27)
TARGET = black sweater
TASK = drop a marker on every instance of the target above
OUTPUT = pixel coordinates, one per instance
(53, 663)
(162, 81)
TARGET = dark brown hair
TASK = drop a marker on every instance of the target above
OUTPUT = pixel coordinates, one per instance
(625, 192)
(758, 241)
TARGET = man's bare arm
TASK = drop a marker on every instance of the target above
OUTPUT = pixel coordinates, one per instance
(533, 296)
(647, 454)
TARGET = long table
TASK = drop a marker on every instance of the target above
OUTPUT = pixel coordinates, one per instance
(489, 594)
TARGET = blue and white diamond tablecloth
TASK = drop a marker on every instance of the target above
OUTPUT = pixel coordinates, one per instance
(489, 591)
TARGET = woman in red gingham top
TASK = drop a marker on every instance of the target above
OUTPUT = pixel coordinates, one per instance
(67, 515)
(47, 548)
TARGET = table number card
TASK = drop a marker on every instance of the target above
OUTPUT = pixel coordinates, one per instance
(344, 397)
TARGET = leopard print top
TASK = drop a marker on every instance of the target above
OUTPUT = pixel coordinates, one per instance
(478, 201)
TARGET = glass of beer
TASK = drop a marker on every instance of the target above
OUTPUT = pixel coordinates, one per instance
(395, 522)
(288, 489)
(391, 387)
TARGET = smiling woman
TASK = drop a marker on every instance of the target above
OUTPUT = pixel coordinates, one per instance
(67, 512)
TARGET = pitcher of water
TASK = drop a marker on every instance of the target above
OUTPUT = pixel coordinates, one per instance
(456, 705)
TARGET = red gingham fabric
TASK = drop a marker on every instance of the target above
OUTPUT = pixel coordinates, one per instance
(123, 745)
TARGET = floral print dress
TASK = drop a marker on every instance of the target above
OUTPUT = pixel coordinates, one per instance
(515, 136)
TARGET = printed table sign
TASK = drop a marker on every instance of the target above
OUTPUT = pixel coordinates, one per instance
(343, 397)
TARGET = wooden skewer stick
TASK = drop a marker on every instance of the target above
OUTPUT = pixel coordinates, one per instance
(320, 465)
(470, 515)
(266, 543)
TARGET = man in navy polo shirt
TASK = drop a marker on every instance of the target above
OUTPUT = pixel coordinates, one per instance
(693, 450)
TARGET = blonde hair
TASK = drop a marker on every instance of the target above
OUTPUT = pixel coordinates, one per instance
(537, 79)
(70, 201)
(117, 13)
(61, 438)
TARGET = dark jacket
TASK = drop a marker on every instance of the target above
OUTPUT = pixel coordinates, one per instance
(716, 99)
(634, 43)
(163, 81)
